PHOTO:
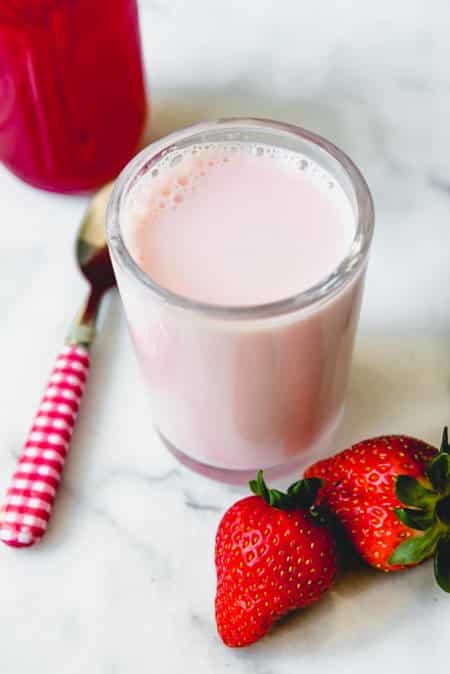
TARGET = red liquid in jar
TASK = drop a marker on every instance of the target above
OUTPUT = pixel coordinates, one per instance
(72, 96)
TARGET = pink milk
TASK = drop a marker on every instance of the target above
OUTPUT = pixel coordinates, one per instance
(234, 227)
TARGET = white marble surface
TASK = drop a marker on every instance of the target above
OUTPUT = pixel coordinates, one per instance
(124, 580)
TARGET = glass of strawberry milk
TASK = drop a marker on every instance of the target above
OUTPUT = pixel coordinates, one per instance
(240, 248)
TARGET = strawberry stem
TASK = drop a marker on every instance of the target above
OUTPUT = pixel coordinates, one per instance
(301, 494)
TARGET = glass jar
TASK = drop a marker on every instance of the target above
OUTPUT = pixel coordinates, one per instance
(72, 95)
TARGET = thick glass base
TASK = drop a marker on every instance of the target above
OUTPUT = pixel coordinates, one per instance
(294, 466)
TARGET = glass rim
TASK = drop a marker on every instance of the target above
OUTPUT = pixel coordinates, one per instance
(316, 294)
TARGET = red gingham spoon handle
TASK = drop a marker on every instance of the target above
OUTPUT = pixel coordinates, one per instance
(29, 499)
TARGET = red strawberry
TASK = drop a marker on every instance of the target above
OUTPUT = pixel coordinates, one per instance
(272, 556)
(366, 486)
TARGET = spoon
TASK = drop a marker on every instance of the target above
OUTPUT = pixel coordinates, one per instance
(29, 500)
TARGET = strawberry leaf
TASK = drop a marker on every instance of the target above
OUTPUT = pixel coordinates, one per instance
(253, 487)
(410, 492)
(445, 447)
(443, 510)
(277, 498)
(442, 564)
(295, 488)
(438, 472)
(301, 494)
(259, 487)
(415, 519)
(304, 492)
(417, 548)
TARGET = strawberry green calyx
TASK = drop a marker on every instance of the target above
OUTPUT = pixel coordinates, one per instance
(428, 511)
(301, 494)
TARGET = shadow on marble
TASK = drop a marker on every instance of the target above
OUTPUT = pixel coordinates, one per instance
(398, 384)
(169, 114)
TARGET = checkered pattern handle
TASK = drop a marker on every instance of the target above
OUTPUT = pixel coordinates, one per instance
(29, 500)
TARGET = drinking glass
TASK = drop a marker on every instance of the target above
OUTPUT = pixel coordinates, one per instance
(237, 388)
